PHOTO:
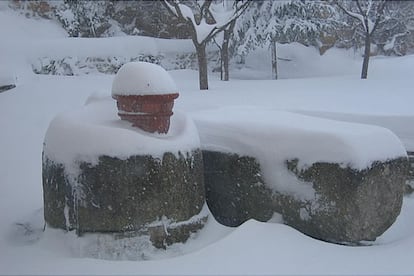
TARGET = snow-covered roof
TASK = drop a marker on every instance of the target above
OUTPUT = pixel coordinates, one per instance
(143, 78)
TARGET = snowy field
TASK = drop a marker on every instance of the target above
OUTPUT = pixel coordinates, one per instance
(327, 86)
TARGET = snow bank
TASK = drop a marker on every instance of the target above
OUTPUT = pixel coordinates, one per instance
(142, 78)
(274, 136)
(106, 47)
(18, 26)
(96, 130)
(298, 61)
(398, 124)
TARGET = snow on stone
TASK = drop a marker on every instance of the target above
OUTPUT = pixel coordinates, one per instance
(273, 137)
(396, 123)
(142, 78)
(96, 130)
(6, 77)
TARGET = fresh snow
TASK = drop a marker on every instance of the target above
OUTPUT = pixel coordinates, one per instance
(96, 130)
(6, 77)
(221, 13)
(142, 78)
(250, 131)
(322, 86)
(273, 137)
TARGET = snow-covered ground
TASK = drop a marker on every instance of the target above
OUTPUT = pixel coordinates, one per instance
(326, 86)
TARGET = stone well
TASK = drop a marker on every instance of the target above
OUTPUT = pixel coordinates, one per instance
(101, 175)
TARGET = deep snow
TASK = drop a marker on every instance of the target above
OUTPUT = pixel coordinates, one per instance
(95, 129)
(273, 136)
(326, 86)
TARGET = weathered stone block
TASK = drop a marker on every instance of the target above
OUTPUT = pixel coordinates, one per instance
(138, 195)
(409, 187)
(348, 205)
(235, 190)
(6, 87)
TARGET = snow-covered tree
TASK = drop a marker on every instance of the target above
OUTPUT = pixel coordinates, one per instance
(91, 16)
(267, 23)
(67, 18)
(223, 40)
(205, 18)
(368, 14)
(396, 35)
(393, 36)
(83, 18)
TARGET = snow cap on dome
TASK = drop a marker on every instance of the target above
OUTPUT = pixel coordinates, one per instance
(142, 78)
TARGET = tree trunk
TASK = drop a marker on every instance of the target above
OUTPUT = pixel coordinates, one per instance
(242, 59)
(225, 57)
(221, 65)
(367, 52)
(202, 65)
(274, 59)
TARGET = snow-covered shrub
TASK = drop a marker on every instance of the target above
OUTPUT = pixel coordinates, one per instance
(67, 19)
(70, 66)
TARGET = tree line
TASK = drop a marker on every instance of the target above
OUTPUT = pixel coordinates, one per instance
(237, 27)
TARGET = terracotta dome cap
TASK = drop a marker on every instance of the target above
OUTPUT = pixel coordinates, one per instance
(142, 78)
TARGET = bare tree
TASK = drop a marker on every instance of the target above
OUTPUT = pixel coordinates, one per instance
(205, 19)
(368, 13)
(224, 48)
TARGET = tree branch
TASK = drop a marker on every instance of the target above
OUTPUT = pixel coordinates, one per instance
(360, 8)
(380, 11)
(239, 11)
(345, 10)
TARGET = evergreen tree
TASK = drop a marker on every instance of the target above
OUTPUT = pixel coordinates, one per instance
(84, 18)
(267, 23)
(396, 34)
